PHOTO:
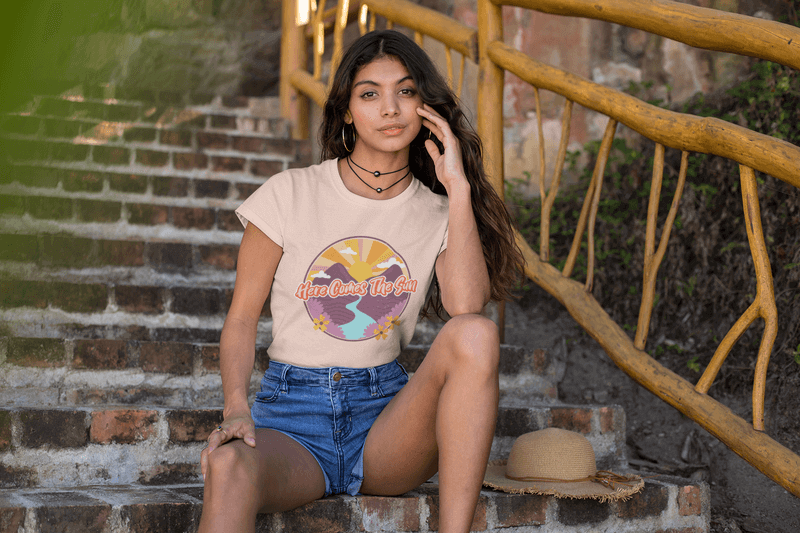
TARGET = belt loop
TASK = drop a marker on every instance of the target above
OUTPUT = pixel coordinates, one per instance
(374, 384)
(284, 386)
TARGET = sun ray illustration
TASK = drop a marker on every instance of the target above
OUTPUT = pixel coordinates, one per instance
(333, 255)
(352, 244)
(377, 251)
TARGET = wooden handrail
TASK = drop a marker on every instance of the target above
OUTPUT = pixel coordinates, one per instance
(306, 84)
(452, 33)
(702, 27)
(685, 132)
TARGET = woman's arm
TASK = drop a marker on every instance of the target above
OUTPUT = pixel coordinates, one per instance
(257, 262)
(461, 268)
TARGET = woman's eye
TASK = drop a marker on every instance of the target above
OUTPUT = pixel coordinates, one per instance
(368, 94)
(408, 92)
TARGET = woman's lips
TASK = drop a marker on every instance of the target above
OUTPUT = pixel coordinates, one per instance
(392, 129)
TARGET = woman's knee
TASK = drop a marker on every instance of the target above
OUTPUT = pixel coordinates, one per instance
(230, 464)
(474, 340)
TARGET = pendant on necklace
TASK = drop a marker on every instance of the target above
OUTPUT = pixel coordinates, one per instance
(378, 190)
(377, 174)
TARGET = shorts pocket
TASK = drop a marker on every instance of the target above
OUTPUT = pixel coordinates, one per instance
(270, 389)
(390, 387)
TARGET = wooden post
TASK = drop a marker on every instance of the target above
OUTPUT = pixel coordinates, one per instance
(294, 106)
(490, 96)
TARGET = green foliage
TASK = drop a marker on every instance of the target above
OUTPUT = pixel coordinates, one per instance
(730, 246)
(689, 286)
(693, 364)
(771, 84)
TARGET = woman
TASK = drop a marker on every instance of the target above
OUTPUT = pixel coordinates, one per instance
(348, 250)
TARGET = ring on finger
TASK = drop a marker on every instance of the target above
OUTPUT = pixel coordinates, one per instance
(219, 428)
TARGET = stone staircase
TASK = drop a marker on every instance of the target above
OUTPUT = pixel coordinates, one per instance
(118, 248)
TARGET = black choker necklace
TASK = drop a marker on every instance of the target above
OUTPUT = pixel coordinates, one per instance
(376, 173)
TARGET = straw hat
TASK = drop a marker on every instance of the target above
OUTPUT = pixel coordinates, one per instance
(558, 462)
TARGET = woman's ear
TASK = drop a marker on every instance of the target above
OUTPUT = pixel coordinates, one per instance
(348, 118)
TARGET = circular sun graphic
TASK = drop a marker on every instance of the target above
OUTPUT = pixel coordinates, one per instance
(361, 277)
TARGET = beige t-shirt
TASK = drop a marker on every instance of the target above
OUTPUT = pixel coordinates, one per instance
(354, 272)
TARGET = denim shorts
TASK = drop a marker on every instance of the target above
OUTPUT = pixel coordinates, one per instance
(329, 411)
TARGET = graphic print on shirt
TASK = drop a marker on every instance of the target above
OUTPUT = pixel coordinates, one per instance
(356, 289)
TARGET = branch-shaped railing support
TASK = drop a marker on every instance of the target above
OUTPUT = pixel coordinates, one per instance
(590, 205)
(763, 306)
(547, 202)
(653, 257)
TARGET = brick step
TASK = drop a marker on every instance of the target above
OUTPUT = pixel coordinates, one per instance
(150, 445)
(248, 154)
(59, 88)
(153, 368)
(150, 184)
(665, 505)
(115, 298)
(55, 88)
(245, 114)
(119, 219)
(142, 123)
(67, 284)
(67, 309)
(50, 252)
(55, 182)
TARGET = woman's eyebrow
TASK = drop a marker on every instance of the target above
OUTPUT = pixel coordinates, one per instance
(370, 82)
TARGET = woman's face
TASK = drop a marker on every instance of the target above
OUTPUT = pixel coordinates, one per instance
(383, 106)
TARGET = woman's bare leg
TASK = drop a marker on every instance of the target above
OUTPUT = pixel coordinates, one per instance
(443, 419)
(277, 475)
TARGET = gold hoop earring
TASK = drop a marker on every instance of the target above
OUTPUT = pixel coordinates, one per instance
(344, 139)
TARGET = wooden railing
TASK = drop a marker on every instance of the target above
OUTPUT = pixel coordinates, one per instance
(704, 28)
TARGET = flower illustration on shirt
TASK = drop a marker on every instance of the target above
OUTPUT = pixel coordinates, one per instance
(379, 332)
(320, 323)
(392, 321)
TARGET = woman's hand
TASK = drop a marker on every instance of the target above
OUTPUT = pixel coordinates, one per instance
(233, 427)
(449, 167)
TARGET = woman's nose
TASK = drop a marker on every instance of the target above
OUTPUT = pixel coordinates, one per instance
(390, 107)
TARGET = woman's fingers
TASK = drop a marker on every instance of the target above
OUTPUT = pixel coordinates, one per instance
(245, 430)
(433, 150)
(433, 122)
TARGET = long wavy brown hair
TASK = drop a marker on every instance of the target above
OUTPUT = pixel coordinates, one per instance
(503, 257)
